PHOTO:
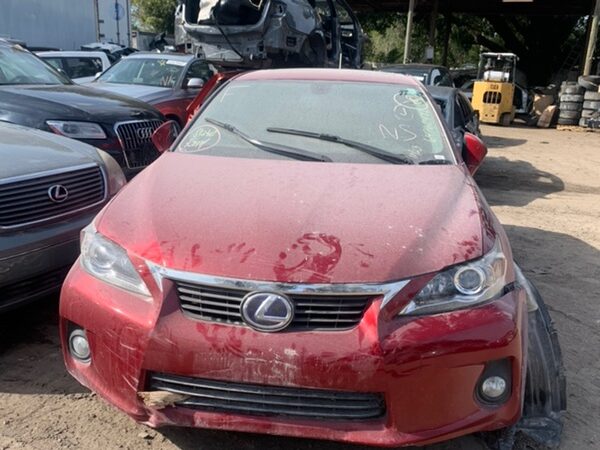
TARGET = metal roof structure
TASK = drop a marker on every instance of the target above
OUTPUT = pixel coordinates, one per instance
(482, 7)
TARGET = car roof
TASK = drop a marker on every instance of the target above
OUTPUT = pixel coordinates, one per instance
(348, 75)
(153, 55)
(442, 92)
(414, 66)
(74, 53)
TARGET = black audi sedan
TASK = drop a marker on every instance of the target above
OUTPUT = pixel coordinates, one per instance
(35, 95)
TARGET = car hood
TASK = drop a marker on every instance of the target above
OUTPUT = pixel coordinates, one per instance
(144, 93)
(31, 151)
(299, 222)
(74, 102)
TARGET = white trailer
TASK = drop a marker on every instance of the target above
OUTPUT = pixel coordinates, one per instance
(66, 24)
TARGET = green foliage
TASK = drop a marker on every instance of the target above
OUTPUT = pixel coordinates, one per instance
(155, 15)
(543, 43)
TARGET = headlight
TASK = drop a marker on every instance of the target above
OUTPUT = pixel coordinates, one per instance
(77, 130)
(114, 173)
(109, 262)
(462, 286)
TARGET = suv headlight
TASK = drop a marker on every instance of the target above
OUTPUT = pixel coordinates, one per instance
(77, 130)
(462, 286)
(107, 261)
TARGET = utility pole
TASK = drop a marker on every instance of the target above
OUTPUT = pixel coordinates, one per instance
(409, 25)
(591, 47)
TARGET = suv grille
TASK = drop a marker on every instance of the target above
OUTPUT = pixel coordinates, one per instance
(27, 201)
(268, 400)
(31, 287)
(136, 140)
(312, 312)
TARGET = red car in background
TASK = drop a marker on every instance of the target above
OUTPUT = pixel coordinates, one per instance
(305, 262)
(167, 81)
(208, 89)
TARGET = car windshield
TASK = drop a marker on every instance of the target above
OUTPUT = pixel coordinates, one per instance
(331, 120)
(18, 66)
(159, 72)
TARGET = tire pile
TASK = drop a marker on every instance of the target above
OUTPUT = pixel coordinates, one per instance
(580, 102)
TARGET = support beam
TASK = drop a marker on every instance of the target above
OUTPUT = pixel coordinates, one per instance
(409, 26)
(591, 46)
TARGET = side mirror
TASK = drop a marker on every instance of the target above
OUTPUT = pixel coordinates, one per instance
(165, 135)
(194, 83)
(474, 152)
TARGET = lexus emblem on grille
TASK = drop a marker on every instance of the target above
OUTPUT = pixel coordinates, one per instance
(58, 193)
(267, 311)
(144, 133)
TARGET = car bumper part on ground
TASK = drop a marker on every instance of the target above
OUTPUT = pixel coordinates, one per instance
(35, 263)
(426, 369)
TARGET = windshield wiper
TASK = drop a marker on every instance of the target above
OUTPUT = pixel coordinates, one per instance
(436, 162)
(365, 148)
(283, 150)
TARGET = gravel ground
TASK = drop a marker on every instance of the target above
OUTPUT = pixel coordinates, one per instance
(545, 187)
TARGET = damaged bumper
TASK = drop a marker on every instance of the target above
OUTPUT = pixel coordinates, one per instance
(387, 381)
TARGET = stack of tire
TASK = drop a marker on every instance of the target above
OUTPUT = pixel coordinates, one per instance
(571, 103)
(590, 114)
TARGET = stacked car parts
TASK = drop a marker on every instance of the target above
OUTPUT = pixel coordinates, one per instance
(571, 103)
(590, 115)
(580, 101)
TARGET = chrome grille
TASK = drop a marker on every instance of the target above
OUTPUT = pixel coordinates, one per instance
(136, 141)
(241, 398)
(26, 200)
(311, 311)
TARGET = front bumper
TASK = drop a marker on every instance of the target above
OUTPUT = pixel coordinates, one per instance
(426, 368)
(34, 263)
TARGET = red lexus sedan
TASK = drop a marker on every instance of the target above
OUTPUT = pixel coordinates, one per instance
(310, 258)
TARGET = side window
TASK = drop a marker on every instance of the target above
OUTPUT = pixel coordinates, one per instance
(55, 62)
(82, 67)
(459, 114)
(467, 108)
(445, 79)
(435, 77)
(199, 69)
(343, 14)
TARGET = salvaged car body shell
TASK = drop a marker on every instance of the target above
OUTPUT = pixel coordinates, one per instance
(274, 33)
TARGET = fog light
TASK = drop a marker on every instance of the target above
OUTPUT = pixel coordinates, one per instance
(493, 388)
(79, 346)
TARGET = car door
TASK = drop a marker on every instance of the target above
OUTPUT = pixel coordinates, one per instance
(351, 35)
(326, 12)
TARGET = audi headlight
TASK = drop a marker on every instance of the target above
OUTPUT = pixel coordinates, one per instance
(114, 174)
(77, 130)
(462, 286)
(109, 262)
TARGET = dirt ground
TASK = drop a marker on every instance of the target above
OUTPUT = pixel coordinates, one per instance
(545, 187)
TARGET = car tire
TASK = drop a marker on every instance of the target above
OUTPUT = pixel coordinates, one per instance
(592, 96)
(572, 98)
(567, 122)
(587, 113)
(592, 105)
(570, 106)
(573, 115)
(590, 82)
(583, 122)
(572, 89)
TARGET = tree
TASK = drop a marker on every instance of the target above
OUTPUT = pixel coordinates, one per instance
(155, 15)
